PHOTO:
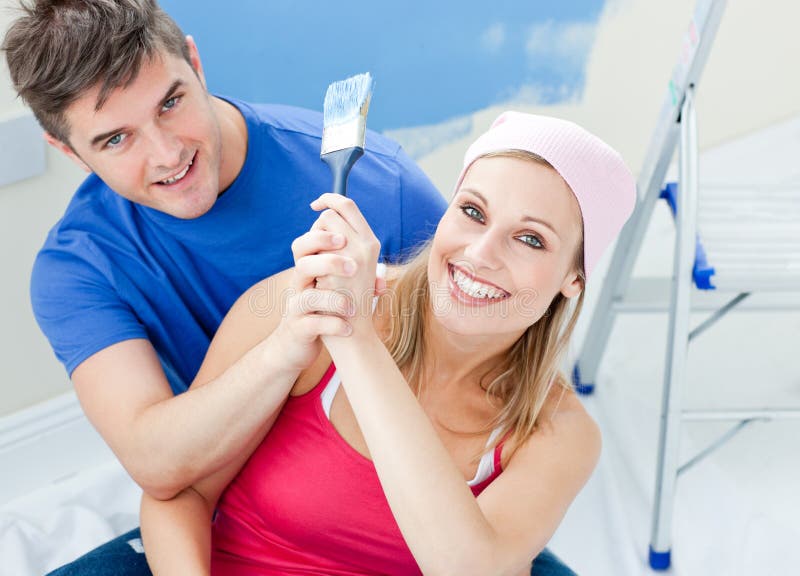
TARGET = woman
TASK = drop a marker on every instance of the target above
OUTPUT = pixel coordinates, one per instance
(432, 435)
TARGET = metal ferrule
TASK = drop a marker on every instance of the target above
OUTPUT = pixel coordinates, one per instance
(351, 134)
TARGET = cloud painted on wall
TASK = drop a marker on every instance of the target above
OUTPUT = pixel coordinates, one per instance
(556, 53)
(493, 37)
(567, 43)
(419, 141)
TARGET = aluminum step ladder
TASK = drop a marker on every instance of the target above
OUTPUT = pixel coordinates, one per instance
(716, 262)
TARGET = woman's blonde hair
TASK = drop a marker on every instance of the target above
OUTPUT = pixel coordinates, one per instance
(528, 370)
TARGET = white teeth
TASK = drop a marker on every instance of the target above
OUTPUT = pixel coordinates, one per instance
(473, 288)
(179, 175)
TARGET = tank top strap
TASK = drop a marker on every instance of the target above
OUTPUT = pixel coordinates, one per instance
(498, 450)
(329, 385)
(324, 382)
(330, 382)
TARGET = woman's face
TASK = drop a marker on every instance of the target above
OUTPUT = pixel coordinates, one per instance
(504, 248)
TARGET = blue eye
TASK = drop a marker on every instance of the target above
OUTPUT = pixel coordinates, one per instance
(170, 103)
(115, 141)
(472, 212)
(531, 240)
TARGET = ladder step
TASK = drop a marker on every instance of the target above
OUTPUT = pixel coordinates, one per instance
(652, 294)
(755, 279)
(748, 238)
(763, 414)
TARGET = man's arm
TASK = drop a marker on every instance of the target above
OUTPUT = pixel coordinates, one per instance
(177, 532)
(168, 442)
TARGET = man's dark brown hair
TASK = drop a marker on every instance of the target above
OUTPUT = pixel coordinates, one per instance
(58, 49)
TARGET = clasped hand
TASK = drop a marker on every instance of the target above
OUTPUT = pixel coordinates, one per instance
(334, 281)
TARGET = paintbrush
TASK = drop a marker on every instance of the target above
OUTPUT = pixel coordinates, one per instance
(345, 126)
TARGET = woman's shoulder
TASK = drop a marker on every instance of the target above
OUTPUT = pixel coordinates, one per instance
(254, 315)
(264, 301)
(564, 413)
(564, 429)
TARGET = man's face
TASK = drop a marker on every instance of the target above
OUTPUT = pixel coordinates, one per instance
(156, 142)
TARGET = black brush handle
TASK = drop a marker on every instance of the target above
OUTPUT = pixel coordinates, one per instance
(340, 162)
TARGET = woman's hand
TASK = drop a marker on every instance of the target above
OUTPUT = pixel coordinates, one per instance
(310, 312)
(341, 215)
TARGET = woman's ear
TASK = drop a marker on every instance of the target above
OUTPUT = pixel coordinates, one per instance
(572, 285)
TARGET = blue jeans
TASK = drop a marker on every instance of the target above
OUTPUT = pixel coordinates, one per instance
(123, 557)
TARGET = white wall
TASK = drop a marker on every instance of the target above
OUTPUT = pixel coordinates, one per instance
(750, 79)
(748, 83)
(30, 372)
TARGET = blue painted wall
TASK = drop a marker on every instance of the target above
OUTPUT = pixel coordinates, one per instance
(432, 59)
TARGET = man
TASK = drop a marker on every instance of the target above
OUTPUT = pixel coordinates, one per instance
(191, 199)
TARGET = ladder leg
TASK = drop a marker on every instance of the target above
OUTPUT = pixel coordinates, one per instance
(697, 45)
(584, 374)
(677, 343)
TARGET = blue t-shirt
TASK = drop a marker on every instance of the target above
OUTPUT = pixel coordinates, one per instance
(112, 270)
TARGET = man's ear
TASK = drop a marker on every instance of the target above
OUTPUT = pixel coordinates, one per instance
(572, 285)
(66, 149)
(194, 58)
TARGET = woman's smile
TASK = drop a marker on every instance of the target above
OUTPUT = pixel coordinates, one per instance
(471, 290)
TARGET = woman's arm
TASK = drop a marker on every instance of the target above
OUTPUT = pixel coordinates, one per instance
(448, 530)
(177, 534)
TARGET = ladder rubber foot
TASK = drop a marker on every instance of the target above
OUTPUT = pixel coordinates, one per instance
(584, 389)
(660, 560)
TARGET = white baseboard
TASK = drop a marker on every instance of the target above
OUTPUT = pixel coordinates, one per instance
(45, 443)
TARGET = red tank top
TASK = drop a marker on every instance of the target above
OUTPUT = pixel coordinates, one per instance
(308, 503)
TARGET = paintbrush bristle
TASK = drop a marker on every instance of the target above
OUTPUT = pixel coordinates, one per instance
(347, 99)
(345, 113)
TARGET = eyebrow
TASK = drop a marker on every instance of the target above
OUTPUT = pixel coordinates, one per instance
(106, 135)
(525, 218)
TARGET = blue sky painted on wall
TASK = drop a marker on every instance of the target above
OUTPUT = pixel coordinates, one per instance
(433, 60)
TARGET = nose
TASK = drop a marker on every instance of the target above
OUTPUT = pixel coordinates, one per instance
(484, 249)
(165, 150)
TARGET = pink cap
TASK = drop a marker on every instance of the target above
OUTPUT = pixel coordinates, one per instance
(596, 173)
